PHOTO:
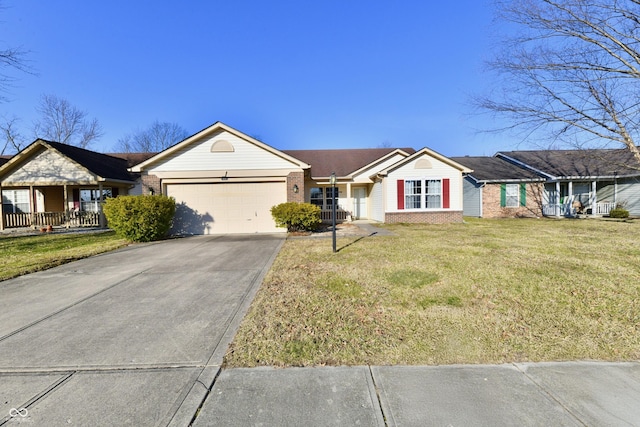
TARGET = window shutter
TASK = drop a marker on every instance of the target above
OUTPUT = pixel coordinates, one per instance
(401, 194)
(503, 195)
(523, 194)
(445, 193)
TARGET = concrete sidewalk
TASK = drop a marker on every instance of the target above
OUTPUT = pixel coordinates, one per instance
(528, 394)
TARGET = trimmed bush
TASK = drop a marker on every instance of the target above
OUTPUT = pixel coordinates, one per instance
(140, 218)
(619, 213)
(297, 216)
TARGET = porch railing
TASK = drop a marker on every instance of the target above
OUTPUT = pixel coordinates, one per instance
(603, 208)
(564, 209)
(341, 215)
(41, 219)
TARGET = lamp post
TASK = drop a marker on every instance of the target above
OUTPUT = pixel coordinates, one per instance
(333, 207)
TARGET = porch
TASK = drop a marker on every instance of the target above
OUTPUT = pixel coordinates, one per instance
(66, 219)
(571, 210)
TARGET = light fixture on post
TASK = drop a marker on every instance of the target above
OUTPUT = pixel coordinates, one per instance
(332, 180)
(225, 177)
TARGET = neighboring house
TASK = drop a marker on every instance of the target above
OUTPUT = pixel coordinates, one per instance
(49, 183)
(226, 182)
(583, 181)
(499, 189)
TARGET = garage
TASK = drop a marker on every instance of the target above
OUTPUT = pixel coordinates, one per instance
(221, 208)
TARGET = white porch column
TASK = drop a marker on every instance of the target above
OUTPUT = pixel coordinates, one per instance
(594, 198)
(1, 211)
(103, 222)
(349, 201)
(557, 198)
(65, 206)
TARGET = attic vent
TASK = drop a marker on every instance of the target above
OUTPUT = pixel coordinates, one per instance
(222, 146)
(423, 164)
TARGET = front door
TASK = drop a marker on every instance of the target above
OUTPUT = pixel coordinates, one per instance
(359, 203)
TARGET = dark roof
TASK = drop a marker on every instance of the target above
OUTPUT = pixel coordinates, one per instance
(341, 161)
(496, 169)
(578, 163)
(103, 165)
(133, 158)
(4, 159)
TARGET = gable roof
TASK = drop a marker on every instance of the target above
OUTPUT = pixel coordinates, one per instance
(429, 152)
(4, 159)
(102, 165)
(590, 163)
(344, 162)
(216, 127)
(495, 169)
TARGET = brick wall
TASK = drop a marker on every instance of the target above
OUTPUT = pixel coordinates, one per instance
(295, 178)
(151, 182)
(436, 217)
(491, 202)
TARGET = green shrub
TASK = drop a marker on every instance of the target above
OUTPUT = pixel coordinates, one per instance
(140, 218)
(619, 213)
(297, 216)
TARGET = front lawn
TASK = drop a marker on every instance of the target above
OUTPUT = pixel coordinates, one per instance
(26, 254)
(487, 291)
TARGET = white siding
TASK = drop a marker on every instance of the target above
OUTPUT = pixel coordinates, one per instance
(50, 167)
(363, 176)
(198, 157)
(472, 199)
(377, 202)
(439, 170)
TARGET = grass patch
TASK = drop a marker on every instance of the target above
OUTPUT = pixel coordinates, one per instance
(27, 254)
(487, 291)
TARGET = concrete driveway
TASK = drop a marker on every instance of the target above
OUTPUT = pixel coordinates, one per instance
(131, 337)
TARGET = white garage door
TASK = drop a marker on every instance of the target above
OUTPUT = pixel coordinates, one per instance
(226, 207)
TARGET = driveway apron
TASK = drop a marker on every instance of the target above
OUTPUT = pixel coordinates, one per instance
(131, 337)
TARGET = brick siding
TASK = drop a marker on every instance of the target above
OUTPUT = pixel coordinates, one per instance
(295, 178)
(491, 203)
(151, 182)
(436, 217)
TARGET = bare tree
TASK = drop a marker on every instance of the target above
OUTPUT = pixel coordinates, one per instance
(570, 72)
(62, 122)
(157, 137)
(11, 137)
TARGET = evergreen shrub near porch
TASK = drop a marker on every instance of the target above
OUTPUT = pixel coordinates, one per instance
(140, 218)
(297, 216)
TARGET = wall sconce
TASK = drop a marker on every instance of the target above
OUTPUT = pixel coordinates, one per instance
(295, 188)
(225, 177)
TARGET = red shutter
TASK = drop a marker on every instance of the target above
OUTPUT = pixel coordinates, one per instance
(400, 194)
(445, 193)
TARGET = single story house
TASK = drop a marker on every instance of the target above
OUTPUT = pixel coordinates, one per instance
(582, 181)
(499, 189)
(49, 183)
(226, 182)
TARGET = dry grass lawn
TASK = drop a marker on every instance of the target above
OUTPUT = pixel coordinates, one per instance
(26, 254)
(487, 291)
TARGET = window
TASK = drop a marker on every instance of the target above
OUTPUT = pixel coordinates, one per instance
(331, 192)
(512, 195)
(417, 198)
(323, 197)
(15, 201)
(90, 199)
(413, 194)
(317, 197)
(433, 194)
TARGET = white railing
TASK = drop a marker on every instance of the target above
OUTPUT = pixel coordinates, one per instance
(40, 219)
(603, 208)
(564, 209)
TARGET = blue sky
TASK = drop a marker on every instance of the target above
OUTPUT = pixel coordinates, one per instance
(295, 74)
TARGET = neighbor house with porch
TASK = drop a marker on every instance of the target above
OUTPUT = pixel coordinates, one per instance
(590, 182)
(49, 183)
